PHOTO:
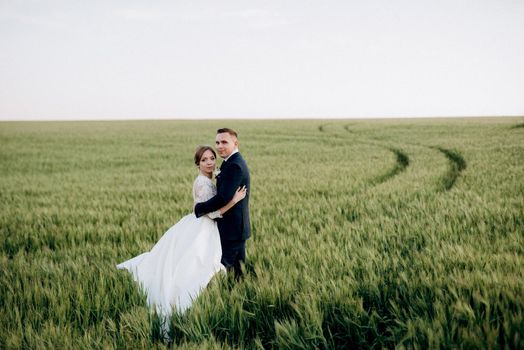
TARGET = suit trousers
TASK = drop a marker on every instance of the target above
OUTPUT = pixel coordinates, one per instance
(233, 253)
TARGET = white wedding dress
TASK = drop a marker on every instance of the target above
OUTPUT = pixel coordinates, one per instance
(183, 261)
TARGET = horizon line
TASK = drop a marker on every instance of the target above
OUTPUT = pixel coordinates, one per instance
(257, 118)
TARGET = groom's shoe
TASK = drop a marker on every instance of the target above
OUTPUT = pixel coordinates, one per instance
(235, 274)
(239, 270)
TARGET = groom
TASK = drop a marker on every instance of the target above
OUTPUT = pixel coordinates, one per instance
(234, 226)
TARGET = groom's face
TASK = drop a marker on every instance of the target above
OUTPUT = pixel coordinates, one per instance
(226, 144)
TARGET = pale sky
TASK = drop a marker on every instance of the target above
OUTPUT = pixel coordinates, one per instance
(260, 59)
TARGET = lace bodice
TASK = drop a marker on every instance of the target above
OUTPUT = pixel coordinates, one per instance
(203, 189)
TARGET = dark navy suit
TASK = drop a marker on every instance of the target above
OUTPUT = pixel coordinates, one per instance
(234, 226)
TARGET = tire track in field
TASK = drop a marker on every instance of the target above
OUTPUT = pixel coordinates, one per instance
(346, 127)
(349, 213)
(457, 164)
(456, 161)
(322, 127)
(401, 160)
(517, 126)
(401, 163)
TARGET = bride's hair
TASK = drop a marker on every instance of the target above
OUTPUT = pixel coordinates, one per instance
(200, 151)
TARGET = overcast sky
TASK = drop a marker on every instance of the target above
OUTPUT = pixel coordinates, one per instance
(260, 59)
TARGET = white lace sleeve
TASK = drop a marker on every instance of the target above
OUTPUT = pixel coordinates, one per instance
(203, 190)
(215, 214)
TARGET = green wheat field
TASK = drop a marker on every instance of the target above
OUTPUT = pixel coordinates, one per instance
(365, 234)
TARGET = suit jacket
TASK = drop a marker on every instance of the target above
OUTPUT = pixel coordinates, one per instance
(234, 224)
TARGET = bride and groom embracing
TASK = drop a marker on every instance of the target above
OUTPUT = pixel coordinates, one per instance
(202, 243)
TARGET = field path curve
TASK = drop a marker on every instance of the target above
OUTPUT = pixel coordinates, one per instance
(401, 158)
(457, 164)
(401, 163)
(346, 127)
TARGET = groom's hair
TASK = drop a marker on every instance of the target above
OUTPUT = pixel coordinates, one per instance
(228, 130)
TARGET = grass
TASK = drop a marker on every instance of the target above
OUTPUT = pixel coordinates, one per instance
(369, 234)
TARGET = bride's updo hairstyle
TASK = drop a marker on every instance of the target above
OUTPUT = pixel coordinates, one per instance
(200, 151)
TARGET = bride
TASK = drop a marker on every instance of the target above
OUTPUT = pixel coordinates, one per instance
(187, 256)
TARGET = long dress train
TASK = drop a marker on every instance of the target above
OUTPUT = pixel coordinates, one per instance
(183, 261)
